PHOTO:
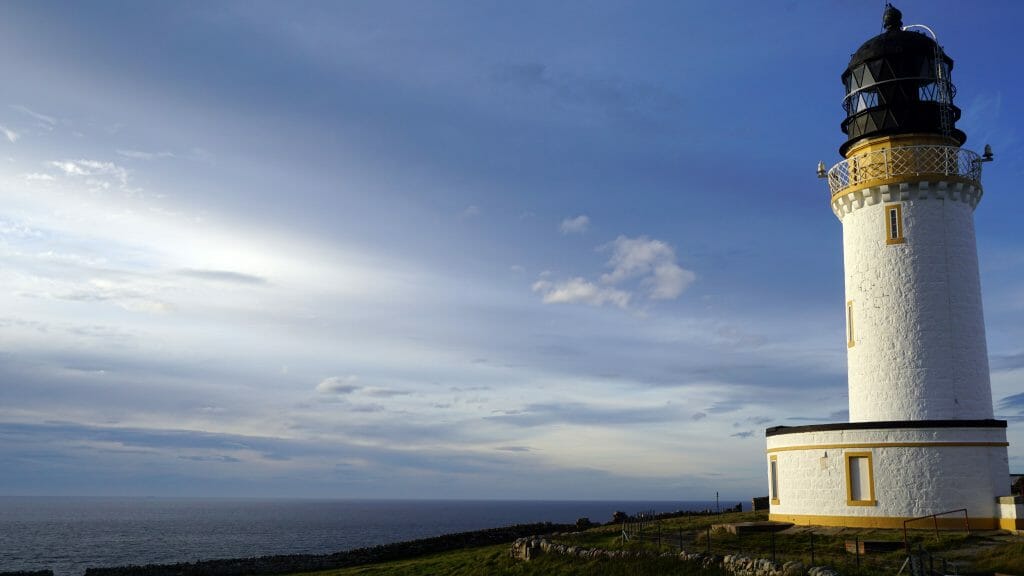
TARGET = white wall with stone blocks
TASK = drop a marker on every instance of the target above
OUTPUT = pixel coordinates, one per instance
(919, 332)
(909, 481)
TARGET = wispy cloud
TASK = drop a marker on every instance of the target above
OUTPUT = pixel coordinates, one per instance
(339, 385)
(92, 168)
(38, 177)
(46, 121)
(11, 135)
(223, 276)
(608, 96)
(575, 225)
(140, 155)
(548, 413)
(580, 291)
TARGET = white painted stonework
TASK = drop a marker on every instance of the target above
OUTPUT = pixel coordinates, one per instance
(919, 335)
(909, 481)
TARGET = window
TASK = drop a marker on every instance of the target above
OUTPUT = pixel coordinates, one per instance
(894, 224)
(773, 471)
(849, 325)
(860, 481)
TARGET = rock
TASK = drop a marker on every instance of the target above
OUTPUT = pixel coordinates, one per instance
(793, 568)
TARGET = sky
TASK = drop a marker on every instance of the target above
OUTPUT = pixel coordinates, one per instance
(432, 249)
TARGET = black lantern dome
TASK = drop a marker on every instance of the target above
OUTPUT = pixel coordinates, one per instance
(898, 83)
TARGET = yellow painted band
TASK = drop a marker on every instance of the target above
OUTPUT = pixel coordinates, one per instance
(1011, 523)
(888, 445)
(895, 522)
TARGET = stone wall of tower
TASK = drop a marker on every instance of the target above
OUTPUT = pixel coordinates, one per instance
(919, 348)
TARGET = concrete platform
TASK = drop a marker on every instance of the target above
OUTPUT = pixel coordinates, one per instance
(872, 546)
(741, 528)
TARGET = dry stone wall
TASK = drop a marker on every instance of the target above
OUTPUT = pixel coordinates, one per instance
(738, 565)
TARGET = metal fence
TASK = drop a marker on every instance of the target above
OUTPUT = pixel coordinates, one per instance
(848, 555)
(905, 161)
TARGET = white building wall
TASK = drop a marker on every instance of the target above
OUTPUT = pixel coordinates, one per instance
(919, 338)
(910, 480)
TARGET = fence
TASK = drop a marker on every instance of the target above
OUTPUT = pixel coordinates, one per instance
(844, 550)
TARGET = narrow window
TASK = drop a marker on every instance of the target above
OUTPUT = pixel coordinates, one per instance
(894, 224)
(860, 481)
(849, 325)
(773, 467)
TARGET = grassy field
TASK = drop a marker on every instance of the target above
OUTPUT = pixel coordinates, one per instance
(975, 553)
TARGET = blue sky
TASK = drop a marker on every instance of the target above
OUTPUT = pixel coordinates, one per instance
(445, 249)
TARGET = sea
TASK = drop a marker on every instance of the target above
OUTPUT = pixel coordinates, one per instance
(69, 535)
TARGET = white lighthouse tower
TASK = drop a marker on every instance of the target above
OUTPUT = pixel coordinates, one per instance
(921, 439)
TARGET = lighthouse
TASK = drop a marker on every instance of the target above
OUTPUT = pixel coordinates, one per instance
(921, 440)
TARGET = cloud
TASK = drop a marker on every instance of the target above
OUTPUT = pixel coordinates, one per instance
(580, 291)
(470, 212)
(338, 385)
(577, 225)
(222, 276)
(744, 434)
(650, 264)
(11, 135)
(652, 260)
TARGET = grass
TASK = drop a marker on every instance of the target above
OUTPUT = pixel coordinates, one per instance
(495, 561)
(975, 553)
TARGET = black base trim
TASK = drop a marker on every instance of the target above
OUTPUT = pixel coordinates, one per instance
(780, 430)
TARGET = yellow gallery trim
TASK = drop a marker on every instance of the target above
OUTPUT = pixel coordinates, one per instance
(887, 445)
(773, 471)
(894, 224)
(898, 141)
(870, 500)
(893, 522)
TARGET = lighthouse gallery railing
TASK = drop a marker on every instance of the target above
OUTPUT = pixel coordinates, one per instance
(905, 162)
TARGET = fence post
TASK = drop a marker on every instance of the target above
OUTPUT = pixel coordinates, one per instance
(812, 548)
(709, 540)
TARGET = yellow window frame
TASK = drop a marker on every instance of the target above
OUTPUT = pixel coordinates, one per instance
(848, 456)
(894, 224)
(773, 478)
(850, 339)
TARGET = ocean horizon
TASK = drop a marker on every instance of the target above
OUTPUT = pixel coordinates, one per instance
(70, 534)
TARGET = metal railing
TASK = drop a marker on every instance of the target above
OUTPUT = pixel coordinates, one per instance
(935, 522)
(905, 162)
